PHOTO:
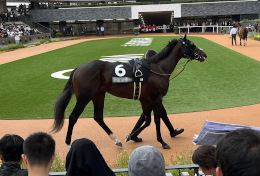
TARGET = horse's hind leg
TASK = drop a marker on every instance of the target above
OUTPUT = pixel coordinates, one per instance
(98, 102)
(78, 109)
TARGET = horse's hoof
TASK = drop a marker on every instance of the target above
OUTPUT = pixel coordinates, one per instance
(136, 139)
(127, 138)
(166, 146)
(118, 143)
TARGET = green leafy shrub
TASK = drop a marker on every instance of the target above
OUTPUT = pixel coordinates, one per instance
(14, 46)
(58, 34)
(42, 41)
(182, 158)
(37, 43)
(257, 37)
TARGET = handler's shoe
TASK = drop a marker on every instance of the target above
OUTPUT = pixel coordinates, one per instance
(176, 132)
(136, 139)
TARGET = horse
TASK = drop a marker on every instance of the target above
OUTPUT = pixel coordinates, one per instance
(92, 80)
(242, 32)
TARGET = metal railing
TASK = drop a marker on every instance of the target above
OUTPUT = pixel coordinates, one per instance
(193, 167)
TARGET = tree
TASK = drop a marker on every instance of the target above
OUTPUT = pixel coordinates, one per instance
(3, 7)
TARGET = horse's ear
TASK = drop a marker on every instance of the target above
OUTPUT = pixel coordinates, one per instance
(185, 36)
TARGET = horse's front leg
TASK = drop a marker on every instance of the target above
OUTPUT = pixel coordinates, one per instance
(157, 114)
(98, 102)
(139, 123)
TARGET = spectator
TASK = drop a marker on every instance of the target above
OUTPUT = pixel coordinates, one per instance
(238, 153)
(154, 28)
(102, 29)
(17, 39)
(171, 27)
(11, 149)
(84, 159)
(142, 28)
(39, 153)
(164, 28)
(150, 28)
(98, 31)
(205, 157)
(146, 160)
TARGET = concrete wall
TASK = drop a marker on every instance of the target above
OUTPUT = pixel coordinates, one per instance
(25, 39)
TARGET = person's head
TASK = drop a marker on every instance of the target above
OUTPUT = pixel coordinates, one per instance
(146, 160)
(205, 157)
(238, 153)
(85, 159)
(11, 148)
(150, 53)
(39, 150)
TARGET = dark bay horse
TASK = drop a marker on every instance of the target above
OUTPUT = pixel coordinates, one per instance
(91, 81)
(242, 32)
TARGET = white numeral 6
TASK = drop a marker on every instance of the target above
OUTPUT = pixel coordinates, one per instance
(120, 71)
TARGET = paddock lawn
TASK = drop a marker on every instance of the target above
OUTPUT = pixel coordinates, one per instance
(226, 79)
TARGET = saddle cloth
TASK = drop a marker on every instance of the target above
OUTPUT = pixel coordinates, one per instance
(133, 71)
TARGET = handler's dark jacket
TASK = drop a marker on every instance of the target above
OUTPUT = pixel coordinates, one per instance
(12, 169)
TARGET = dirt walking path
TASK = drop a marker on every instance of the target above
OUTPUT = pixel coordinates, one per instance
(121, 126)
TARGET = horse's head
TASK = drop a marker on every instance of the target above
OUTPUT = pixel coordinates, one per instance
(237, 25)
(191, 51)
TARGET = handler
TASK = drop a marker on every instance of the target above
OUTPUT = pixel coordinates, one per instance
(233, 33)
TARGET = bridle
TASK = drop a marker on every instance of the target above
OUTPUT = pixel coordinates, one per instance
(185, 47)
(178, 72)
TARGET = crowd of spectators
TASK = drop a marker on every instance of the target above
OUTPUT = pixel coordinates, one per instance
(13, 29)
(14, 14)
(237, 153)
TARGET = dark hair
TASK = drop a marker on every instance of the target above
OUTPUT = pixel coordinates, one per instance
(150, 53)
(39, 148)
(205, 156)
(238, 153)
(11, 147)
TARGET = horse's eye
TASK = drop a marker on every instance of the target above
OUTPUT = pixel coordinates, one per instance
(191, 43)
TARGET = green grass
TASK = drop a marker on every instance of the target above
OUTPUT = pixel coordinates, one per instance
(225, 79)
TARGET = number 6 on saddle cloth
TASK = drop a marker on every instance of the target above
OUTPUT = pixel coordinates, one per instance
(136, 71)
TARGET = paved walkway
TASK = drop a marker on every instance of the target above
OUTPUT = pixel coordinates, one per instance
(121, 126)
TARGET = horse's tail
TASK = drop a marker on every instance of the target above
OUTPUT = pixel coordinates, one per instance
(245, 33)
(61, 104)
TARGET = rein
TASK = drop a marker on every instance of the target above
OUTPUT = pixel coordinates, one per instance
(179, 71)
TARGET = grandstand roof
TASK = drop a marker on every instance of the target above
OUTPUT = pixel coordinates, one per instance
(23, 1)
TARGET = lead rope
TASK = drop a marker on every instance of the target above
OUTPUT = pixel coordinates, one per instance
(180, 71)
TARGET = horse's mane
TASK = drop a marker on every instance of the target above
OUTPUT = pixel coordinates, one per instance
(163, 53)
